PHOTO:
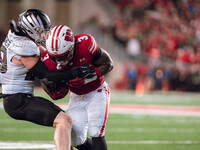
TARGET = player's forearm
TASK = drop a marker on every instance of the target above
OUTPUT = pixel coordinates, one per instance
(42, 72)
(104, 69)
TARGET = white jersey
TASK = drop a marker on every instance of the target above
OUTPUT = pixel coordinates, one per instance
(16, 78)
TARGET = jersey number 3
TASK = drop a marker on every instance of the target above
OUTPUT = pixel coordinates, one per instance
(82, 38)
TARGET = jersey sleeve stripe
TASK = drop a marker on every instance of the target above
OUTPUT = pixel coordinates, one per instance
(94, 46)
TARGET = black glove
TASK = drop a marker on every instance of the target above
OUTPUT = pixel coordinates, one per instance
(84, 71)
(91, 74)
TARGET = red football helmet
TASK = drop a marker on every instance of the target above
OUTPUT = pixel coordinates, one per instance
(60, 45)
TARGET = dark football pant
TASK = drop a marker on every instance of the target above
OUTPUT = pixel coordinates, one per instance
(30, 108)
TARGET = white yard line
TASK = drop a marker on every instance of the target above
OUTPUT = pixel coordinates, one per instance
(26, 130)
(153, 142)
(153, 130)
(26, 145)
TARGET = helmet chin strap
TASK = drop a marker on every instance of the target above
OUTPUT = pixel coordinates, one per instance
(60, 64)
(58, 67)
(64, 62)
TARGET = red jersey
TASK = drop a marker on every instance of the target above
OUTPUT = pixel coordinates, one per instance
(84, 50)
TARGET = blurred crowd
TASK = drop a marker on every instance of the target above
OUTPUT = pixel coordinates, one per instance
(164, 35)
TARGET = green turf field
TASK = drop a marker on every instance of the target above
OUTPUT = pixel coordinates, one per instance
(125, 131)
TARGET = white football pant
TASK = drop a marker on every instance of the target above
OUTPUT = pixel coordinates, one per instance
(89, 112)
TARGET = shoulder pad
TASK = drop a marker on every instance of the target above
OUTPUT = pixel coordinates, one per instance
(22, 46)
(86, 41)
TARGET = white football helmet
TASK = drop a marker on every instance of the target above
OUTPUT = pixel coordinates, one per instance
(60, 45)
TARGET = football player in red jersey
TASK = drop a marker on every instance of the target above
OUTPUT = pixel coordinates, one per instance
(89, 98)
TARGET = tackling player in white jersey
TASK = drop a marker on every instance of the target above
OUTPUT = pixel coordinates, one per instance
(20, 63)
(89, 98)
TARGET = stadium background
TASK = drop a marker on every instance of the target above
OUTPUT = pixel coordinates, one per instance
(155, 45)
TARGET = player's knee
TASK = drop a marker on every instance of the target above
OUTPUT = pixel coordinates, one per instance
(67, 121)
(94, 132)
(78, 141)
(63, 120)
(78, 135)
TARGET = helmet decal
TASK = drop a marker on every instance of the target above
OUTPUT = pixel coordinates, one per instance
(69, 35)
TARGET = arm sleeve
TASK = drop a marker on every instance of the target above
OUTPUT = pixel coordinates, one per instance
(97, 56)
(42, 72)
